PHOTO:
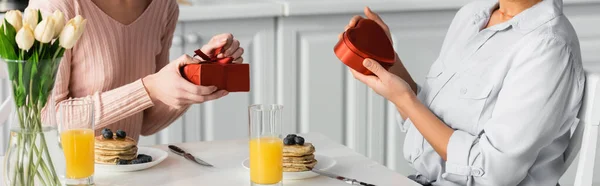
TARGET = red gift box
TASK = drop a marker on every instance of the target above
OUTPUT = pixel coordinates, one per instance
(219, 72)
(365, 40)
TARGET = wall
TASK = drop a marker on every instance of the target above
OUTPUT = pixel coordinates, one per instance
(585, 19)
(296, 67)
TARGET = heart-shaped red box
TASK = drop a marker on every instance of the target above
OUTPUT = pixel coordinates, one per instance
(219, 72)
(365, 40)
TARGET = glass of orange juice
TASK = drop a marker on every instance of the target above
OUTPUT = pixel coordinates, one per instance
(76, 128)
(266, 145)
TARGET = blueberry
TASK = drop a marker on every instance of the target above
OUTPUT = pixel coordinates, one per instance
(291, 136)
(288, 141)
(145, 157)
(121, 134)
(299, 140)
(122, 162)
(106, 130)
(137, 161)
(107, 135)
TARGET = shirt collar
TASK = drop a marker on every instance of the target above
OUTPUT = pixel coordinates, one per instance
(525, 21)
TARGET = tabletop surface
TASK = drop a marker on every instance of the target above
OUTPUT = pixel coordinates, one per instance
(227, 157)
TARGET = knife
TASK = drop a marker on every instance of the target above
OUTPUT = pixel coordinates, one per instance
(341, 178)
(188, 156)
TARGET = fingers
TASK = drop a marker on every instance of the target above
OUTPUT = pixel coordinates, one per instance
(188, 98)
(218, 41)
(353, 22)
(376, 68)
(235, 44)
(227, 42)
(238, 53)
(199, 95)
(197, 90)
(216, 95)
(186, 59)
(228, 37)
(239, 60)
(368, 80)
(375, 17)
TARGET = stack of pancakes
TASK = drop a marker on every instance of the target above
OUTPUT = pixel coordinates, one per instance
(110, 151)
(296, 158)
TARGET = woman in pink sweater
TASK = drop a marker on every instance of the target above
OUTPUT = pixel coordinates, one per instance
(122, 62)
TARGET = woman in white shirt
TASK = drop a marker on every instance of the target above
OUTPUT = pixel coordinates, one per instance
(498, 104)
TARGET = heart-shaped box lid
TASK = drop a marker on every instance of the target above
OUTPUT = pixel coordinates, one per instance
(365, 40)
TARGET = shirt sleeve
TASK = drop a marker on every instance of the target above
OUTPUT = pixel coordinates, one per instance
(538, 103)
(161, 115)
(109, 106)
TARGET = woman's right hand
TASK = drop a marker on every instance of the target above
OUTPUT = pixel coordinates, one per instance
(398, 69)
(372, 16)
(169, 87)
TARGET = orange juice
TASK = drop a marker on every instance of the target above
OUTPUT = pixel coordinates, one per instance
(78, 146)
(266, 160)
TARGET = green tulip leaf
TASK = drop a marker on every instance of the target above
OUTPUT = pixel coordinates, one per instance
(2, 48)
(7, 49)
(10, 33)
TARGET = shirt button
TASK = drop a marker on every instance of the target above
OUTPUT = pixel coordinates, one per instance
(477, 172)
(444, 175)
(463, 90)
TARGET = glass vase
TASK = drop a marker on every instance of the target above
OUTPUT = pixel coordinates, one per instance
(33, 156)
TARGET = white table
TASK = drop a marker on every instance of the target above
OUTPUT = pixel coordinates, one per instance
(227, 157)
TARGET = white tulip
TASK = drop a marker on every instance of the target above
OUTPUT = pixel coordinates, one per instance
(59, 22)
(72, 32)
(44, 32)
(25, 38)
(31, 17)
(14, 17)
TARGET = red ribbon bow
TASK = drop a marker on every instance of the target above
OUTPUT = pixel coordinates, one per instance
(213, 59)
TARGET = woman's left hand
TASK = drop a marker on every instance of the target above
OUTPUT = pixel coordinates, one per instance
(386, 84)
(231, 47)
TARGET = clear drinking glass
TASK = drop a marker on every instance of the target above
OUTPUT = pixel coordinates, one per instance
(76, 128)
(266, 145)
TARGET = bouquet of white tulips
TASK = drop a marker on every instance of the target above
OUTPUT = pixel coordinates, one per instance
(32, 47)
(35, 37)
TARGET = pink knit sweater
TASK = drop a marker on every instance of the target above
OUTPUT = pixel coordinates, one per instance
(109, 61)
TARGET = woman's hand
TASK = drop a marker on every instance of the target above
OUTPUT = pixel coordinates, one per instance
(231, 47)
(386, 84)
(398, 69)
(169, 87)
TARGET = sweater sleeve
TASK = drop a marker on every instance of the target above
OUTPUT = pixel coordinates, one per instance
(109, 106)
(161, 115)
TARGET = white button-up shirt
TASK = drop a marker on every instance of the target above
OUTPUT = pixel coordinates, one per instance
(511, 92)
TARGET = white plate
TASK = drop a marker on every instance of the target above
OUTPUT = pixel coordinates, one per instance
(323, 163)
(156, 154)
